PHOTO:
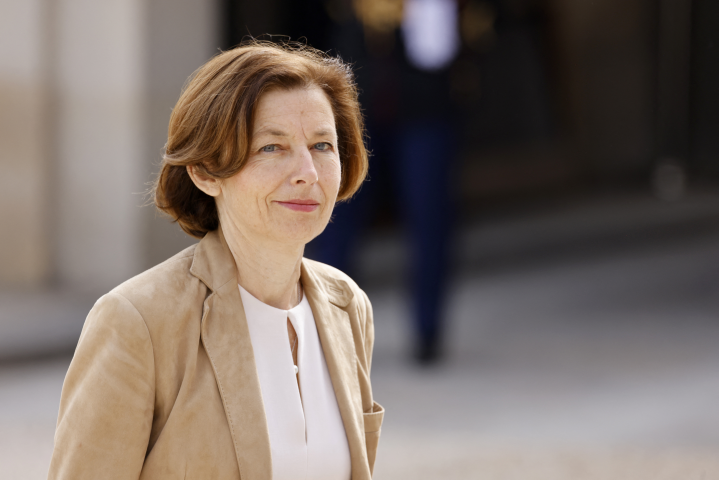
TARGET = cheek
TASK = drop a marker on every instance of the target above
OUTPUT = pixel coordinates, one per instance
(248, 185)
(238, 190)
(332, 176)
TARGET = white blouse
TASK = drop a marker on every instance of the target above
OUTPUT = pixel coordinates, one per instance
(307, 436)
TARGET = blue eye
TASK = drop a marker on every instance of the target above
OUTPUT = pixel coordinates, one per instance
(322, 146)
(268, 148)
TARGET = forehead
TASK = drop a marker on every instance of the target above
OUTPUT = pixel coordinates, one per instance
(287, 106)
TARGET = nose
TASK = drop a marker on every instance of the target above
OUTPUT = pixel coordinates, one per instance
(304, 171)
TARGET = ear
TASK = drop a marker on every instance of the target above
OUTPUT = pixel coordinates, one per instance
(209, 185)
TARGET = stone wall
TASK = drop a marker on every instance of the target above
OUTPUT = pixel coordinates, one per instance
(86, 90)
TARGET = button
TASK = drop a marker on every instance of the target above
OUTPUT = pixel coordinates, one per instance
(297, 370)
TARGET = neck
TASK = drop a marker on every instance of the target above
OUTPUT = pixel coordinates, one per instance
(269, 271)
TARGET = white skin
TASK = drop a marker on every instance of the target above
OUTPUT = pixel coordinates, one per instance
(294, 160)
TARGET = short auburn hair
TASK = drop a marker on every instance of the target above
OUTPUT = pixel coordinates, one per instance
(211, 125)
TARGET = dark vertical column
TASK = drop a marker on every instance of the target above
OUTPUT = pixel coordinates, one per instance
(673, 77)
(230, 23)
(256, 18)
(704, 112)
(310, 23)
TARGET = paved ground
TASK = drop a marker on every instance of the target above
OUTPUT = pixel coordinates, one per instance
(596, 366)
(606, 368)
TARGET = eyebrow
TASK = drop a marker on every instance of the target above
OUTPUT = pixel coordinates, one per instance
(271, 131)
(280, 133)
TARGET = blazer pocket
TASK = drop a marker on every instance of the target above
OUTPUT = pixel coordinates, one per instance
(372, 429)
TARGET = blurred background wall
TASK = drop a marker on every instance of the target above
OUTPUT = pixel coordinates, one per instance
(86, 89)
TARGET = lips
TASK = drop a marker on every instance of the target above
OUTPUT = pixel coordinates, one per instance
(300, 205)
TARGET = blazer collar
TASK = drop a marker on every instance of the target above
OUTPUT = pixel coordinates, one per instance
(213, 262)
(226, 339)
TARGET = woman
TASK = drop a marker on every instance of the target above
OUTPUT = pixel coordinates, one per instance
(237, 358)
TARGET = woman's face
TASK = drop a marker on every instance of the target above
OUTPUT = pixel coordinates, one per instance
(287, 189)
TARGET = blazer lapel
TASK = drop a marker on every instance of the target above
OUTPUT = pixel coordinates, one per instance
(226, 339)
(327, 297)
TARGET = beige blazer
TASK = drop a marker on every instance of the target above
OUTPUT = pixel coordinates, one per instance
(163, 383)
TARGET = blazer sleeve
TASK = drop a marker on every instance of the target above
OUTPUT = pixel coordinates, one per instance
(374, 415)
(368, 331)
(106, 406)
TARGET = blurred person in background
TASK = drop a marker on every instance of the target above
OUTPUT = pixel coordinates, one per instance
(410, 49)
(237, 358)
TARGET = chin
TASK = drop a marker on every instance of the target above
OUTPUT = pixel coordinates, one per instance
(296, 229)
(298, 236)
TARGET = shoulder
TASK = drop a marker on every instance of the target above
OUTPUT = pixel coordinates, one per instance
(332, 278)
(162, 291)
(327, 272)
(168, 277)
(340, 288)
